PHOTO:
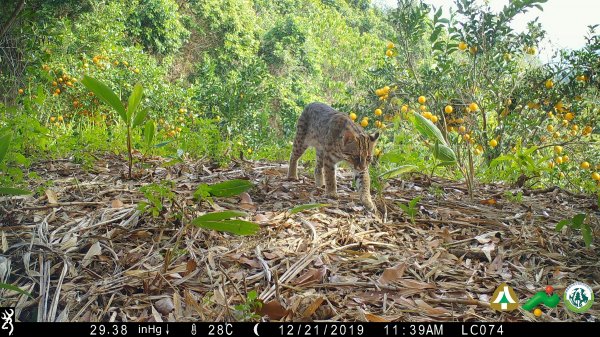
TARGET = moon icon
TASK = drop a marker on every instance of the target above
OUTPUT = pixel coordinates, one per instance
(256, 329)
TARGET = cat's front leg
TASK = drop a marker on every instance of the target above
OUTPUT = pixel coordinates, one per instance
(363, 184)
(330, 180)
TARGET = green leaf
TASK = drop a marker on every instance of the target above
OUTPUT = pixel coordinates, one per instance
(13, 191)
(230, 188)
(586, 231)
(239, 227)
(106, 95)
(414, 202)
(14, 288)
(428, 129)
(149, 133)
(216, 216)
(561, 224)
(578, 220)
(506, 157)
(445, 154)
(404, 207)
(139, 117)
(397, 171)
(221, 221)
(134, 101)
(304, 207)
(4, 142)
(162, 144)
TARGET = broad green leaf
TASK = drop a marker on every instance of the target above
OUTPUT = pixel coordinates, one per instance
(397, 171)
(139, 117)
(239, 227)
(15, 288)
(106, 95)
(304, 207)
(149, 133)
(562, 224)
(578, 220)
(586, 231)
(13, 191)
(4, 142)
(445, 154)
(428, 129)
(221, 221)
(134, 101)
(217, 216)
(230, 188)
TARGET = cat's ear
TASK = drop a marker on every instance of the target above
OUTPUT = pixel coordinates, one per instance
(374, 136)
(349, 137)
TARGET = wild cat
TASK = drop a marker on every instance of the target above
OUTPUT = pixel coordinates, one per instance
(335, 137)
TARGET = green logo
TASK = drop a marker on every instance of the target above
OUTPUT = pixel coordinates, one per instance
(547, 298)
(579, 297)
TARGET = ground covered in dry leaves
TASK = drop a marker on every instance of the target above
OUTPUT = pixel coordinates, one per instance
(85, 252)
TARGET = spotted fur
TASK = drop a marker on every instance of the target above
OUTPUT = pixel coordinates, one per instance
(335, 137)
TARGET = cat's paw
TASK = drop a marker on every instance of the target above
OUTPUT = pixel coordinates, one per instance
(369, 205)
(332, 195)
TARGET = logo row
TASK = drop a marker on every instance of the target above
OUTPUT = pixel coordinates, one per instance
(578, 297)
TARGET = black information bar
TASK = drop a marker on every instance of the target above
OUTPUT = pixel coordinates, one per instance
(301, 329)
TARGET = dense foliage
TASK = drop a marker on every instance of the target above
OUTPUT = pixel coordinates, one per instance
(224, 77)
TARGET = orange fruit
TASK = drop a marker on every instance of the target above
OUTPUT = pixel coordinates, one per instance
(434, 118)
(404, 108)
(549, 84)
(353, 116)
(364, 122)
(389, 53)
(422, 99)
(473, 50)
(462, 45)
(448, 109)
(427, 114)
(390, 45)
(558, 149)
(596, 176)
(493, 143)
(585, 165)
(378, 112)
(569, 116)
(473, 106)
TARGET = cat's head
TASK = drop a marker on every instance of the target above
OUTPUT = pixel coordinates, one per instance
(357, 148)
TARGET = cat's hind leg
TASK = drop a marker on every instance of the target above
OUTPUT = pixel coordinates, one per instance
(319, 169)
(330, 180)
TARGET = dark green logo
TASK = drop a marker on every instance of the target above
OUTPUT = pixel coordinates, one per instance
(578, 297)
